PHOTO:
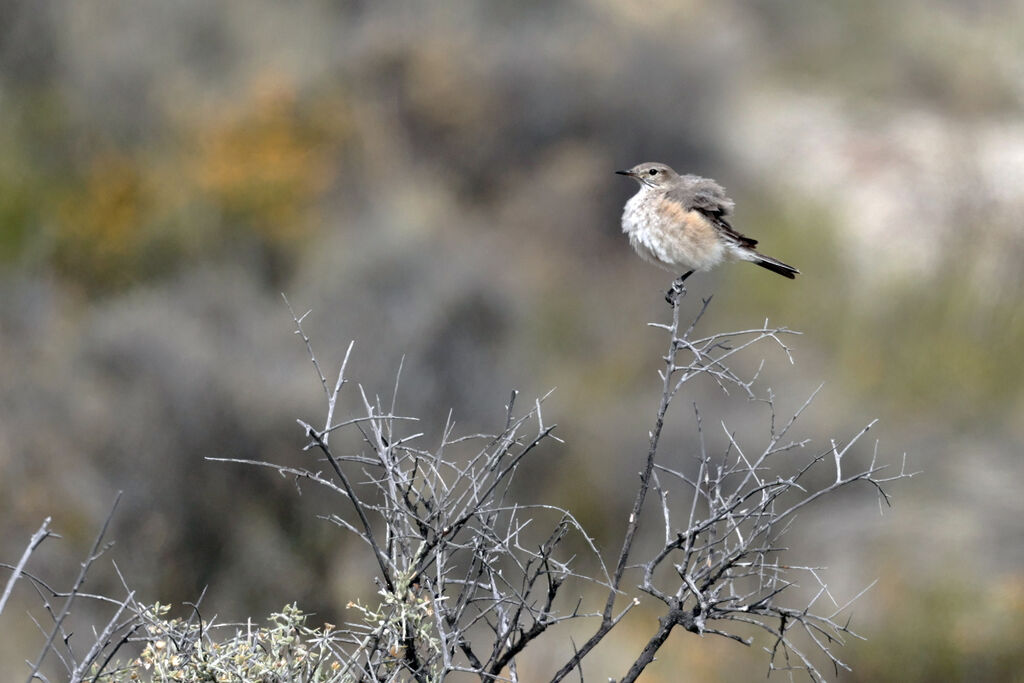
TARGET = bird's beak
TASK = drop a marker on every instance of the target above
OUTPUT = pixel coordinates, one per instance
(627, 172)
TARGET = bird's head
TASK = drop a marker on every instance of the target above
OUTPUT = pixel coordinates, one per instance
(651, 174)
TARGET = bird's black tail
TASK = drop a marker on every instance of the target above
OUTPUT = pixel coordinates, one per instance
(775, 266)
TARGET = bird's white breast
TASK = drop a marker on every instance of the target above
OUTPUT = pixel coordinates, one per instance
(671, 239)
(637, 215)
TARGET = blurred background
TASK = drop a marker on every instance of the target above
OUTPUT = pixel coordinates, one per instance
(434, 180)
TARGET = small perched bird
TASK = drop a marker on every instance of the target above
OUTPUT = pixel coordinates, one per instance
(680, 222)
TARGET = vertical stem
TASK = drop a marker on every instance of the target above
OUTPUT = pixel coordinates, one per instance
(607, 617)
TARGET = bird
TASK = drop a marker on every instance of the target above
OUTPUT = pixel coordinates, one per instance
(681, 222)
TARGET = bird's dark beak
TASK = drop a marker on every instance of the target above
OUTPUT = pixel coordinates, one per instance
(627, 172)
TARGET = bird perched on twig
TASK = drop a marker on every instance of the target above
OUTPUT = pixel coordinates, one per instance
(680, 222)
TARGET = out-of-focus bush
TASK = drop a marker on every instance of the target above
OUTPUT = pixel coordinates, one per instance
(247, 176)
(952, 630)
(265, 161)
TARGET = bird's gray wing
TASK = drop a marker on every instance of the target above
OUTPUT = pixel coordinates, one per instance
(709, 198)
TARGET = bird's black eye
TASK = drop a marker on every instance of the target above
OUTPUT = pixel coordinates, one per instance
(653, 171)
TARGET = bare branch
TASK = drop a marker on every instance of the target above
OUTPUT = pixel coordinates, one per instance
(470, 577)
(38, 537)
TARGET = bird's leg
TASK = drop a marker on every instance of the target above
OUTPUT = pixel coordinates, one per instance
(672, 295)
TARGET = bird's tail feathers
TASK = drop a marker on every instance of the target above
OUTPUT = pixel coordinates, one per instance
(774, 265)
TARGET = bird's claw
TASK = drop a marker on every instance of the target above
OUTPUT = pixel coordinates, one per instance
(674, 292)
